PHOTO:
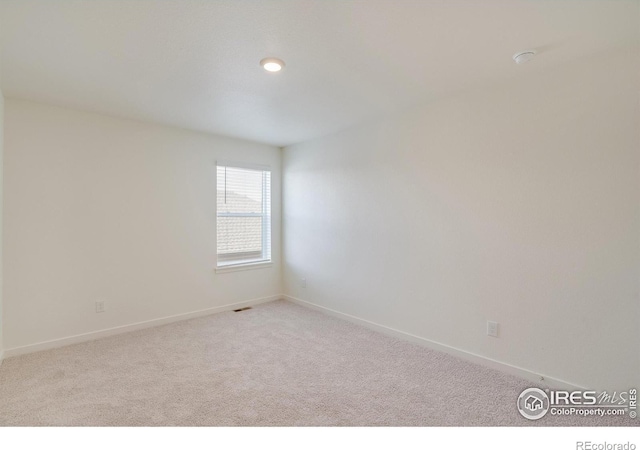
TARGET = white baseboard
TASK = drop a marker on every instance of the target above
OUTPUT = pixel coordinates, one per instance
(534, 378)
(55, 343)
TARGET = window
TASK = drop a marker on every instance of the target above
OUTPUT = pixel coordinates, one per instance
(244, 214)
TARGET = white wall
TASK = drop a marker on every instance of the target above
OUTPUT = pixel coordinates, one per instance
(1, 222)
(99, 208)
(517, 203)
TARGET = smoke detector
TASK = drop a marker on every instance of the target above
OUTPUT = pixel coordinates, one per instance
(523, 57)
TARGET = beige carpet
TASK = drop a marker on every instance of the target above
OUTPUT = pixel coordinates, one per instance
(276, 364)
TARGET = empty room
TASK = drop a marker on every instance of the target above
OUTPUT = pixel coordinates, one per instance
(306, 213)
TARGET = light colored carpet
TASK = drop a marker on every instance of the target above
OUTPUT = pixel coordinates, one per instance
(276, 364)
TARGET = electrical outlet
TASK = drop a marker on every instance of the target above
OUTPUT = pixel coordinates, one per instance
(303, 282)
(492, 328)
(99, 307)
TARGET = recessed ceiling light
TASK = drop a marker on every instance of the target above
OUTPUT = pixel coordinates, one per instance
(523, 57)
(272, 64)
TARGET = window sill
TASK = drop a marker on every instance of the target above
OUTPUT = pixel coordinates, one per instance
(246, 266)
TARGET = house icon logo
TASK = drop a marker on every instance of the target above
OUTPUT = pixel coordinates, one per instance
(533, 403)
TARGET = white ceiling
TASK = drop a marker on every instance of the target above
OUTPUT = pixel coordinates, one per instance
(194, 64)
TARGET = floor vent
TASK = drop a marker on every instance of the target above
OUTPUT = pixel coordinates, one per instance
(242, 309)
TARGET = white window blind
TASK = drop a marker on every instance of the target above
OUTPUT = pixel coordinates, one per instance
(244, 215)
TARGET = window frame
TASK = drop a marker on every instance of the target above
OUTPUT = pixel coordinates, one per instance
(264, 258)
